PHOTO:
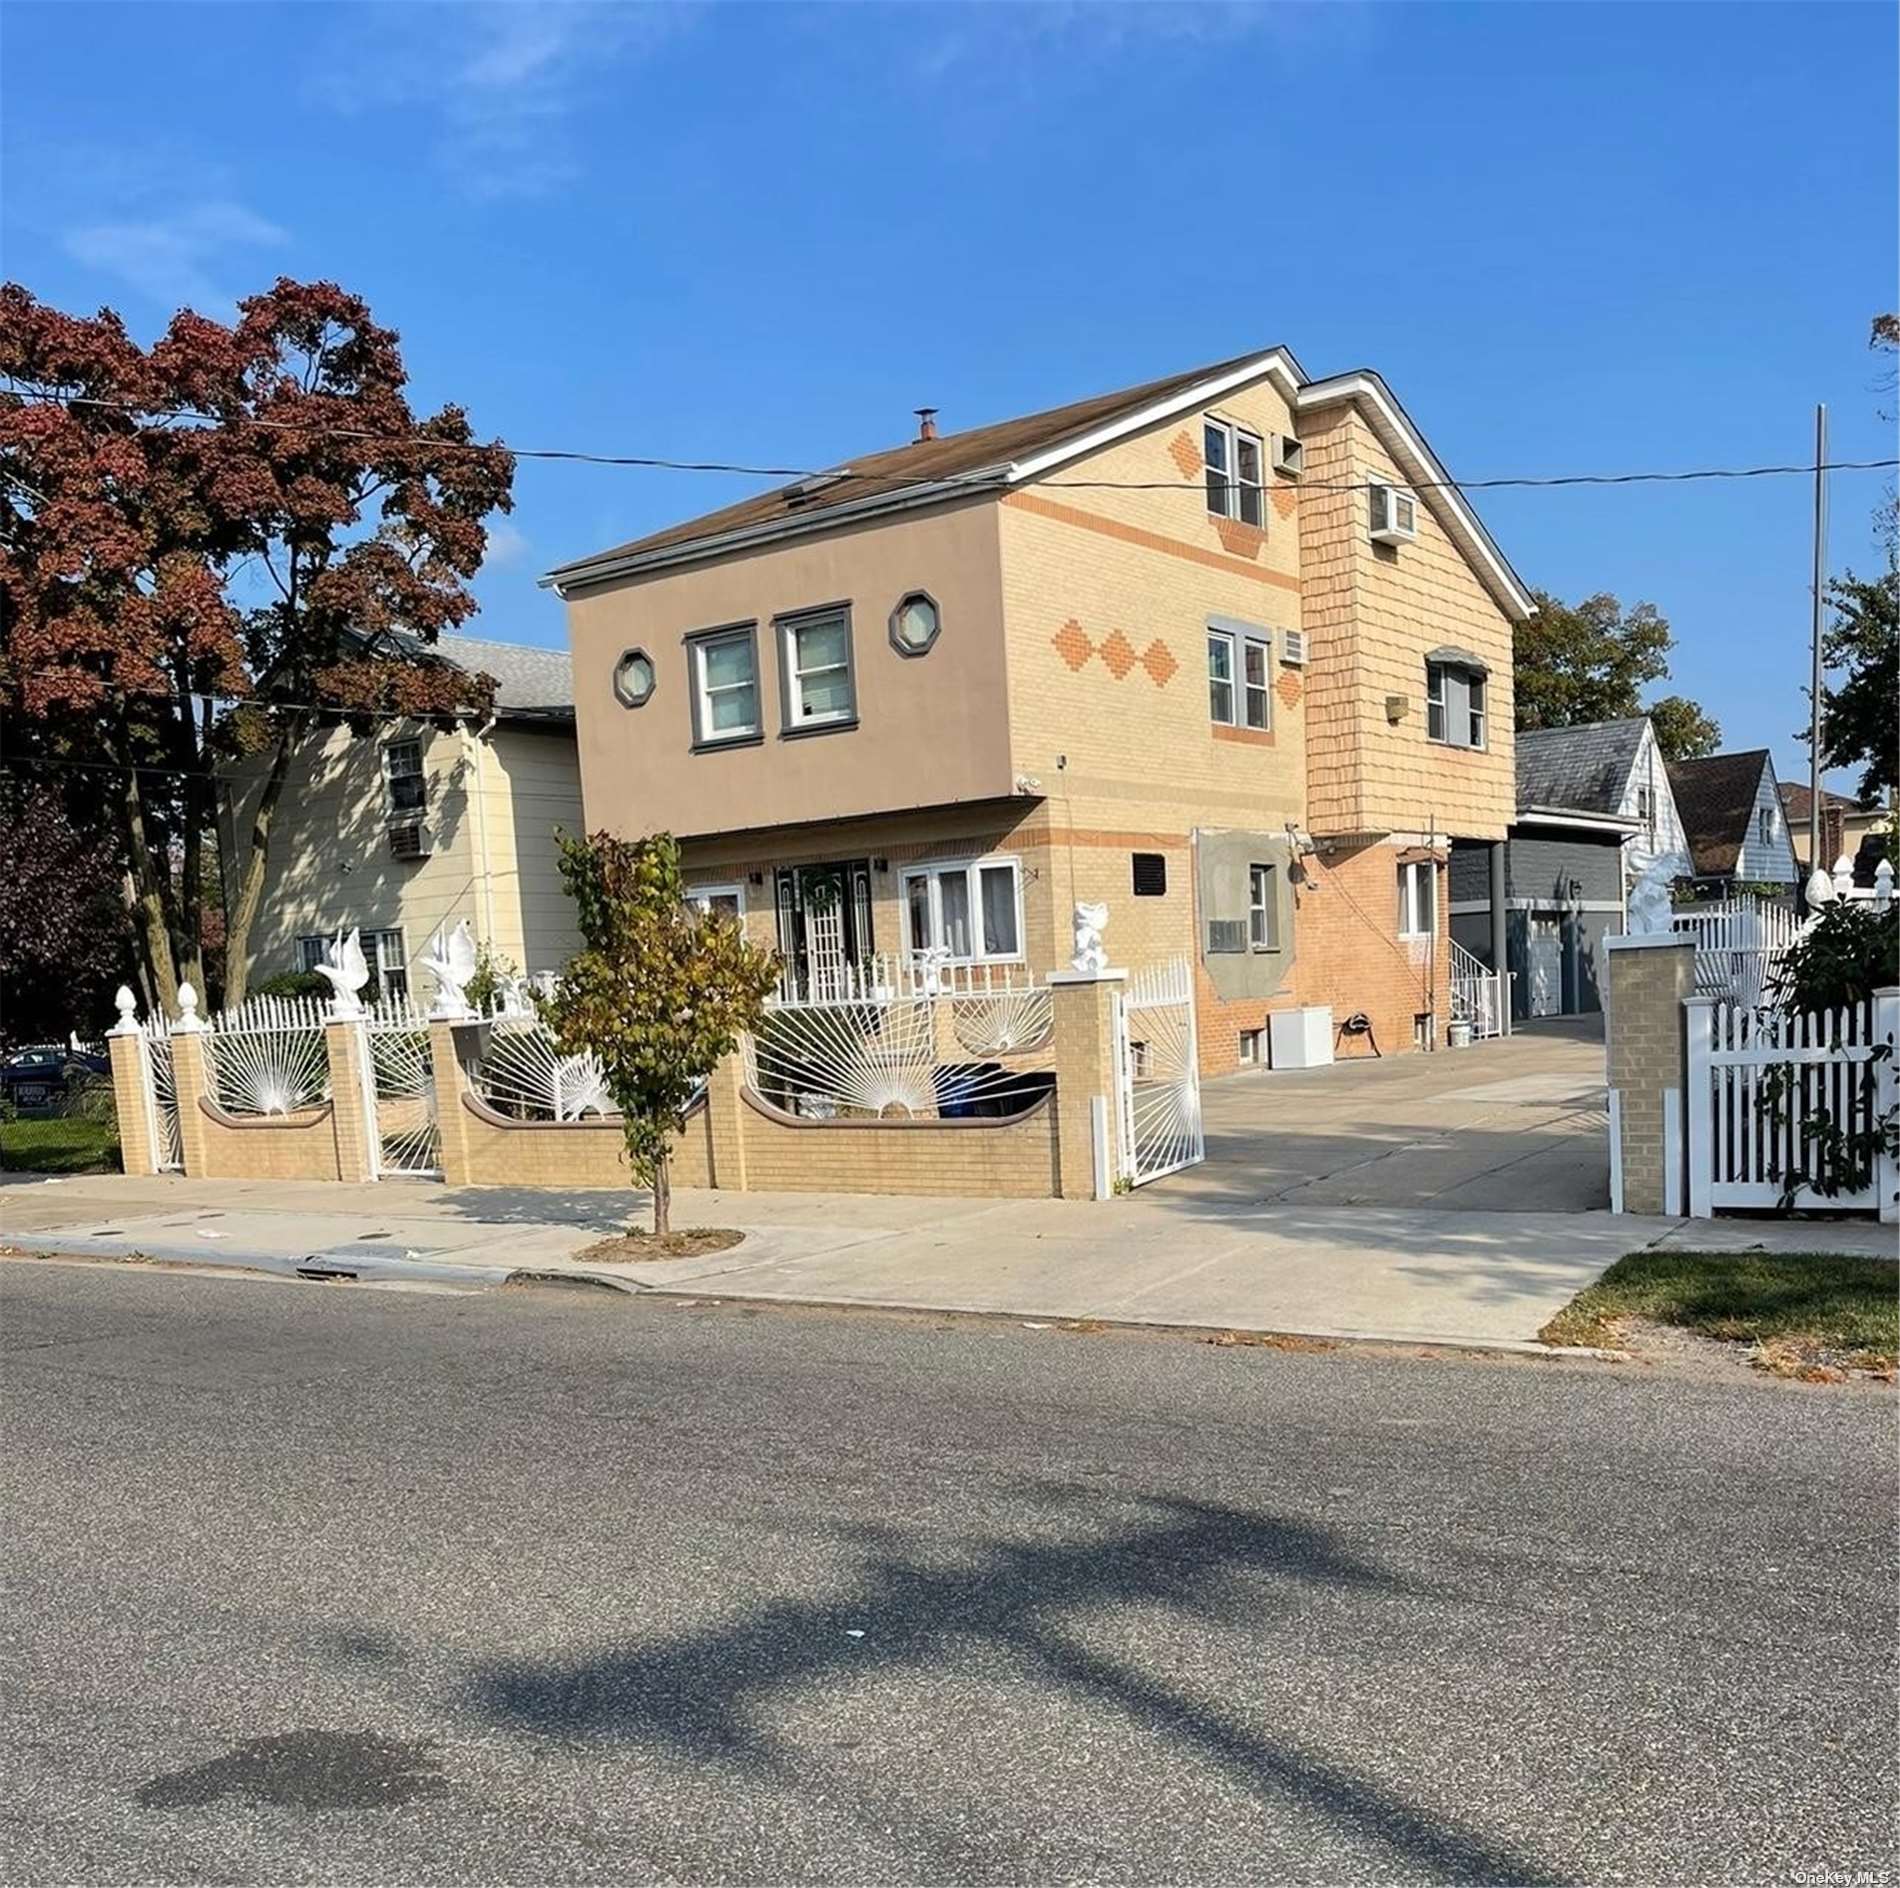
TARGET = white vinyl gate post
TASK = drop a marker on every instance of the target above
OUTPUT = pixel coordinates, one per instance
(1697, 1075)
(1886, 1088)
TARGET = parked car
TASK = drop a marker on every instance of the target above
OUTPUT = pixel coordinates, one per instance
(39, 1078)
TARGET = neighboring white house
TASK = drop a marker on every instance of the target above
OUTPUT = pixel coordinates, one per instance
(1730, 805)
(1613, 768)
(396, 832)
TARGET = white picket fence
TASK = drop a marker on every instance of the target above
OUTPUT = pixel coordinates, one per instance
(1757, 1079)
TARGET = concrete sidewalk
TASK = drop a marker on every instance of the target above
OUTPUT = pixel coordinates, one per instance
(1406, 1274)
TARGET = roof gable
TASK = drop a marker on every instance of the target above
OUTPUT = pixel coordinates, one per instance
(1715, 799)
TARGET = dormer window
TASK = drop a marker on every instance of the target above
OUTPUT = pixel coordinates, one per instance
(1236, 467)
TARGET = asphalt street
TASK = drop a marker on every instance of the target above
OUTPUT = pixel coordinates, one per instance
(322, 1583)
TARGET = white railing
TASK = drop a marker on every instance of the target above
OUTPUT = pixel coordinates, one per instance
(520, 1071)
(1738, 944)
(1759, 1084)
(885, 975)
(1477, 994)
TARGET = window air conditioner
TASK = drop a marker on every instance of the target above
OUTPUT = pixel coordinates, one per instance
(1394, 515)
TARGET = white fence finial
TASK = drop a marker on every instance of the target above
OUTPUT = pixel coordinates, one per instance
(1883, 884)
(188, 1018)
(128, 1007)
(1843, 876)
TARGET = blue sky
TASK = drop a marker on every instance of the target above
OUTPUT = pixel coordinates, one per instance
(1574, 238)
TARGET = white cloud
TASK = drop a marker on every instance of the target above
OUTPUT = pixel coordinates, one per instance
(506, 546)
(175, 258)
(496, 84)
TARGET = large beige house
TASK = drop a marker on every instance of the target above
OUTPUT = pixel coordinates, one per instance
(411, 827)
(1225, 653)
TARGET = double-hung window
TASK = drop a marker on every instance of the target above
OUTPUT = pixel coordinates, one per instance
(382, 951)
(405, 786)
(1237, 670)
(1418, 893)
(1236, 472)
(1263, 908)
(1765, 825)
(1454, 704)
(725, 686)
(815, 662)
(970, 911)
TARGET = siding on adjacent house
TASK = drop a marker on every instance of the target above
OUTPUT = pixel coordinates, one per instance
(1665, 835)
(1771, 860)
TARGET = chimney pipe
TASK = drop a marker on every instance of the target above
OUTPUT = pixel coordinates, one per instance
(926, 424)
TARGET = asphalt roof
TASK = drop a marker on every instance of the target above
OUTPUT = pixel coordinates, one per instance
(917, 462)
(1715, 798)
(1584, 768)
(529, 679)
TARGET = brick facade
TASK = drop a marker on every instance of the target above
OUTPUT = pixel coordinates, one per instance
(1650, 980)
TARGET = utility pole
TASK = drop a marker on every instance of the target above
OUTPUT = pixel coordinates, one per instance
(1819, 865)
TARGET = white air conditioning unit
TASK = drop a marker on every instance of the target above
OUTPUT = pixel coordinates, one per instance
(1289, 456)
(1293, 648)
(1394, 515)
(410, 840)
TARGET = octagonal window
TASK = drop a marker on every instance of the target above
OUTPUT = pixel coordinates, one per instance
(634, 678)
(915, 624)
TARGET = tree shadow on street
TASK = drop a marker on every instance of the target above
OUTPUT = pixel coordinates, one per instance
(707, 1693)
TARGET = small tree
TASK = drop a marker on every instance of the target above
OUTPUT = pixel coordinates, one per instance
(658, 993)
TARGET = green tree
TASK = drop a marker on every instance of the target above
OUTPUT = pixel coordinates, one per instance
(657, 994)
(1861, 713)
(1590, 661)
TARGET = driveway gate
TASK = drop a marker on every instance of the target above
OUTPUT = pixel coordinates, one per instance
(404, 1134)
(1158, 1075)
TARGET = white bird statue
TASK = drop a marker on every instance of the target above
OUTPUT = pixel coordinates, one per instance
(348, 972)
(451, 962)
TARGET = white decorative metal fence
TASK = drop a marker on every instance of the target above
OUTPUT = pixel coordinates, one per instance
(405, 1136)
(519, 1070)
(168, 1146)
(1771, 1097)
(268, 1057)
(1737, 945)
(1158, 1073)
(886, 1055)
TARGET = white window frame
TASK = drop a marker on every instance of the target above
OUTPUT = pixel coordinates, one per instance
(1765, 830)
(970, 870)
(1252, 1041)
(385, 951)
(1435, 704)
(703, 895)
(1438, 729)
(1263, 646)
(1262, 912)
(1412, 874)
(1230, 641)
(704, 733)
(1395, 495)
(1477, 709)
(402, 815)
(788, 628)
(1233, 485)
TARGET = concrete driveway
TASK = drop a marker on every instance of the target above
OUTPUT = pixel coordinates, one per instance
(1518, 1125)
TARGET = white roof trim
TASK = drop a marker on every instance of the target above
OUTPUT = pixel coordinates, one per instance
(1276, 362)
(1565, 816)
(1418, 461)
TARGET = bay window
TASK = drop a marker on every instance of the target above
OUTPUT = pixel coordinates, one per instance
(970, 911)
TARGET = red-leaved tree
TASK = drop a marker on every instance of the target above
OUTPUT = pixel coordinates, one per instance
(210, 548)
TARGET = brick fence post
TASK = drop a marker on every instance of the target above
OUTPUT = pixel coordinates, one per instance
(1088, 1127)
(191, 1081)
(352, 1098)
(133, 1095)
(1652, 976)
(725, 1117)
(451, 1118)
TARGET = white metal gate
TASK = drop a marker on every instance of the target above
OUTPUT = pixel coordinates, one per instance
(168, 1150)
(400, 1092)
(1158, 1075)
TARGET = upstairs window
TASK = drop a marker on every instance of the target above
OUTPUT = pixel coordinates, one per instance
(405, 786)
(1765, 825)
(1418, 895)
(1236, 472)
(1237, 670)
(725, 686)
(816, 664)
(1454, 705)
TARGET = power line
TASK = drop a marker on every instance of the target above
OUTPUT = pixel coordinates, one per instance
(842, 474)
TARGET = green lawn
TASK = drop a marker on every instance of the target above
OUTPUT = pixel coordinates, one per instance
(58, 1144)
(1802, 1308)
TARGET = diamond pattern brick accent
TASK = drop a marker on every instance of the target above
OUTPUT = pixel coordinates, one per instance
(1118, 654)
(1158, 660)
(1185, 454)
(1286, 500)
(1288, 688)
(1238, 539)
(1073, 644)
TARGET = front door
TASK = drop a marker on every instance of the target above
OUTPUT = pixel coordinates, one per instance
(824, 922)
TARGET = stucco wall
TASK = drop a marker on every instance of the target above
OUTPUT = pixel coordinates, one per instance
(930, 728)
